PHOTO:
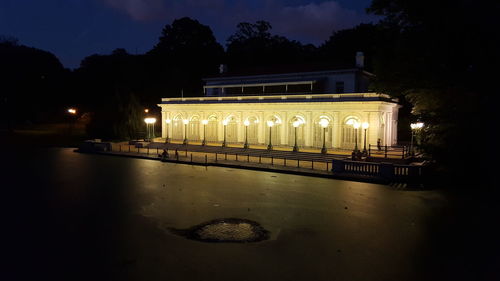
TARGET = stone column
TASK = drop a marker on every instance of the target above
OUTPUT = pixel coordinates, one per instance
(308, 129)
(262, 126)
(163, 123)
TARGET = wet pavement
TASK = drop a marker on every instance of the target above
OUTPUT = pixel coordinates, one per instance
(71, 216)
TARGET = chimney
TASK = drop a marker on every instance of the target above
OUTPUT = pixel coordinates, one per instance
(360, 60)
(222, 68)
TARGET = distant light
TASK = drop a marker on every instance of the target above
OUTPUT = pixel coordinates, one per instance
(270, 123)
(224, 122)
(324, 123)
(246, 123)
(415, 126)
(204, 122)
(168, 121)
(150, 120)
(72, 110)
(366, 125)
(356, 125)
(146, 110)
(296, 124)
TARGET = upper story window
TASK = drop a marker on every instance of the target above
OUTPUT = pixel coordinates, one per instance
(339, 87)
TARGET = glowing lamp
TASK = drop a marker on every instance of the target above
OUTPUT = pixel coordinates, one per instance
(324, 123)
(150, 120)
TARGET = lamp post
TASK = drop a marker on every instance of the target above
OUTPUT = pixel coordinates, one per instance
(295, 125)
(414, 127)
(224, 123)
(204, 122)
(270, 145)
(186, 122)
(324, 123)
(246, 123)
(168, 121)
(356, 125)
(365, 127)
(150, 123)
(72, 113)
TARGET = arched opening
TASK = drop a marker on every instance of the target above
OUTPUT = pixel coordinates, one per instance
(253, 130)
(349, 134)
(300, 131)
(212, 127)
(274, 130)
(194, 128)
(318, 132)
(231, 130)
(177, 128)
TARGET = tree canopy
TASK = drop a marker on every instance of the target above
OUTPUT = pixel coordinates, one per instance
(436, 57)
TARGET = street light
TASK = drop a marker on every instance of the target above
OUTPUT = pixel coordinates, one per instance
(168, 121)
(324, 123)
(365, 127)
(356, 125)
(295, 125)
(270, 145)
(224, 123)
(71, 111)
(414, 127)
(246, 123)
(204, 122)
(150, 127)
(186, 122)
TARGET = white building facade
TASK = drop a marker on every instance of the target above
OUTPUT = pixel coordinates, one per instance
(307, 109)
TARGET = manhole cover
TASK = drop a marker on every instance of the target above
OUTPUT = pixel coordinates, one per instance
(225, 230)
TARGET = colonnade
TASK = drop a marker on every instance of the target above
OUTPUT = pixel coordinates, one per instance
(303, 129)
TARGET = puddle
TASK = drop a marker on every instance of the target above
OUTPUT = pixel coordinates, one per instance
(229, 230)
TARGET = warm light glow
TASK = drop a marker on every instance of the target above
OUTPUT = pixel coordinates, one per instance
(224, 122)
(146, 110)
(204, 122)
(150, 120)
(246, 123)
(356, 125)
(185, 121)
(296, 124)
(168, 121)
(72, 110)
(418, 125)
(270, 123)
(324, 123)
(366, 125)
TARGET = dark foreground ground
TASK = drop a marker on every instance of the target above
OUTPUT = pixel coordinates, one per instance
(70, 216)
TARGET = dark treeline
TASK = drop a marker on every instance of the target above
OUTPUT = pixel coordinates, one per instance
(114, 89)
(430, 55)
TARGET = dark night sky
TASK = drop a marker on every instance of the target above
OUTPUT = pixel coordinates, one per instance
(74, 29)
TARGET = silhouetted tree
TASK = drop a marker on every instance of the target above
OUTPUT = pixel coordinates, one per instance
(32, 83)
(437, 59)
(253, 45)
(187, 51)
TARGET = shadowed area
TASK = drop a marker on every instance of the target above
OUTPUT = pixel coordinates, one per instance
(71, 216)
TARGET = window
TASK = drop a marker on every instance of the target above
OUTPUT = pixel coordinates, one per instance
(339, 87)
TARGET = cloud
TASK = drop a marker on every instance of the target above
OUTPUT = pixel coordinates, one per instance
(316, 22)
(309, 23)
(141, 10)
